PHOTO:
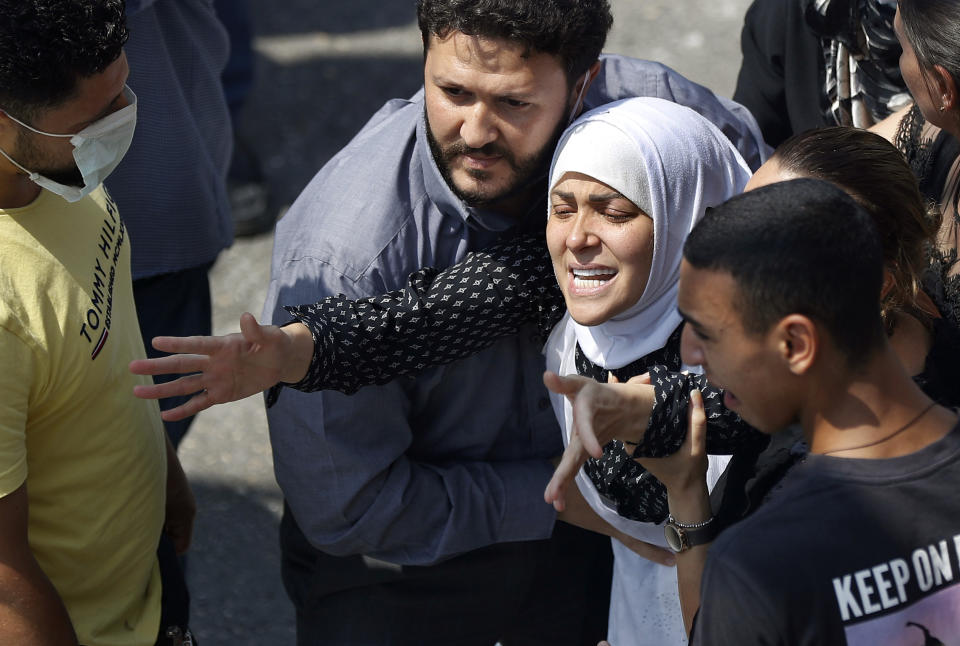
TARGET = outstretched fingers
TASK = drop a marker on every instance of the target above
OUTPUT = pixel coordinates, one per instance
(555, 493)
(578, 392)
(584, 410)
(175, 364)
(187, 344)
(201, 401)
(570, 462)
(567, 386)
(183, 386)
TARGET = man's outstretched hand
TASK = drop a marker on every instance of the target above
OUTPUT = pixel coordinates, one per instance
(221, 369)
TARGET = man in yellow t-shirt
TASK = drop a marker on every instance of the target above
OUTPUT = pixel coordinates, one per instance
(88, 481)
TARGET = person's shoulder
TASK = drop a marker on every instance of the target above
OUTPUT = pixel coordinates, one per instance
(367, 202)
(386, 134)
(625, 77)
(47, 245)
(49, 222)
(739, 541)
(776, 17)
(376, 166)
(618, 63)
(782, 520)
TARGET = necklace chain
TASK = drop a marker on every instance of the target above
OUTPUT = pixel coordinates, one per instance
(891, 435)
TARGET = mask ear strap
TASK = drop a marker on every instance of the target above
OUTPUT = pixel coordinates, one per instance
(10, 159)
(579, 102)
(29, 127)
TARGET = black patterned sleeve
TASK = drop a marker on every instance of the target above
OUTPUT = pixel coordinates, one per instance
(439, 317)
(667, 428)
(636, 494)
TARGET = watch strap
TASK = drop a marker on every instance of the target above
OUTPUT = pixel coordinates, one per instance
(682, 536)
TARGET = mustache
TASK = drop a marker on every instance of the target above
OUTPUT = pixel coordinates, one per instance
(487, 150)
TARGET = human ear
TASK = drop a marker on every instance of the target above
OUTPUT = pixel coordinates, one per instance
(6, 123)
(8, 132)
(888, 283)
(580, 88)
(946, 87)
(798, 343)
(591, 76)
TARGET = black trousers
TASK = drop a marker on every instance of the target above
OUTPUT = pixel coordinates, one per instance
(554, 592)
(176, 304)
(175, 598)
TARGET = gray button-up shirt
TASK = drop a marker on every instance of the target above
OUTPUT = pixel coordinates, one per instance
(456, 459)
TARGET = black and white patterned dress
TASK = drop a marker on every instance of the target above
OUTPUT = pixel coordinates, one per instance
(442, 316)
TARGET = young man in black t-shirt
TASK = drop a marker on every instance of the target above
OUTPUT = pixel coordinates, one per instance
(860, 542)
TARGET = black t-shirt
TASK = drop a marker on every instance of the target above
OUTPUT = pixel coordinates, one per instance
(845, 551)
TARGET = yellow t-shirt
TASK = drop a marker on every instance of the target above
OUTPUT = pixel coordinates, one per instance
(93, 456)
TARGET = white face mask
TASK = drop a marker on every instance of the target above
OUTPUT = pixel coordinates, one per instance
(97, 149)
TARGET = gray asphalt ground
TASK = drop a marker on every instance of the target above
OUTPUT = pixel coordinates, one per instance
(322, 69)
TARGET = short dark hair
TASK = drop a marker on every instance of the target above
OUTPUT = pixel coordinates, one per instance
(876, 175)
(47, 46)
(798, 247)
(573, 30)
(933, 29)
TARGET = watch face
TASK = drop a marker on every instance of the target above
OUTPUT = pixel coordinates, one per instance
(674, 537)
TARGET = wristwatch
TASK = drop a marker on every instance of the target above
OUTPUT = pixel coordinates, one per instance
(682, 536)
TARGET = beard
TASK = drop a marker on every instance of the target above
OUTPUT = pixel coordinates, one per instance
(34, 159)
(524, 171)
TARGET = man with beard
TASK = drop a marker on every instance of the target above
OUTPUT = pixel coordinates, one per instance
(88, 481)
(414, 511)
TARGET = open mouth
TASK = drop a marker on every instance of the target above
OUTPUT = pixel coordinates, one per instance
(592, 278)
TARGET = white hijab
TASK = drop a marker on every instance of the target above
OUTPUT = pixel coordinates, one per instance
(673, 164)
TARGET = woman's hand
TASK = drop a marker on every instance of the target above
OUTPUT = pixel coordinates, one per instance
(601, 413)
(226, 368)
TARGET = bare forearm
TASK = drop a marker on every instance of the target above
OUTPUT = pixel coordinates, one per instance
(578, 512)
(31, 611)
(690, 506)
(297, 353)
